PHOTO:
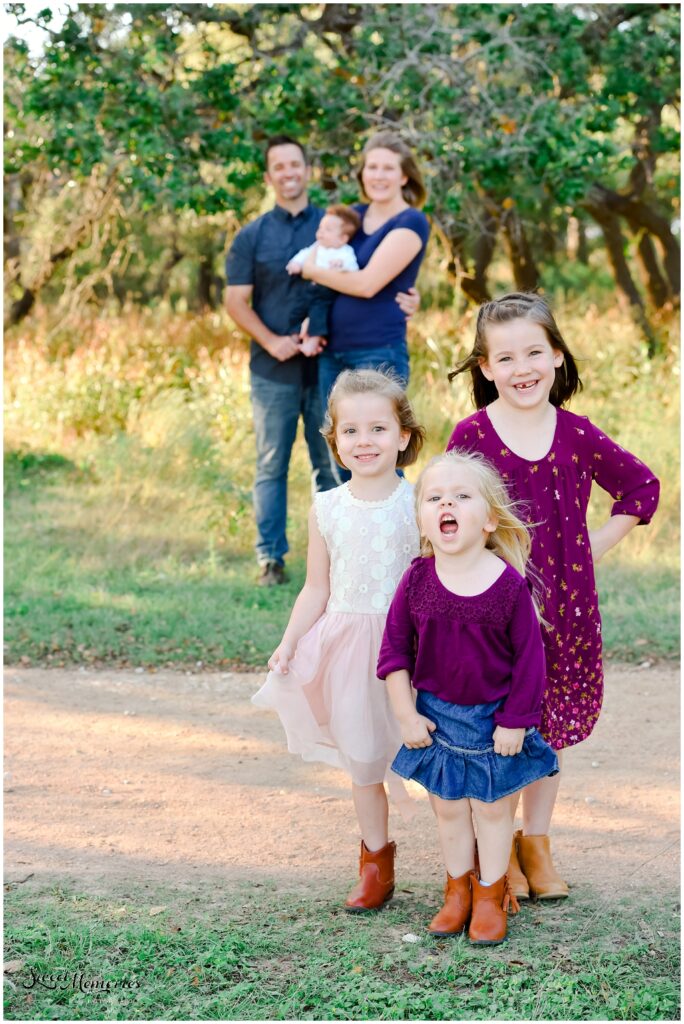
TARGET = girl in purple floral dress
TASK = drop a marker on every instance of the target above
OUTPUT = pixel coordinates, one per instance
(522, 374)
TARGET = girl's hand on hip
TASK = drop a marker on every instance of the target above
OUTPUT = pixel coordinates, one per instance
(508, 742)
(281, 658)
(415, 732)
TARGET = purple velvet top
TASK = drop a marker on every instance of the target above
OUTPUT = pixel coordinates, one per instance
(467, 650)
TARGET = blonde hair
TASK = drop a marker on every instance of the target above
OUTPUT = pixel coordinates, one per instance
(375, 382)
(512, 538)
(413, 190)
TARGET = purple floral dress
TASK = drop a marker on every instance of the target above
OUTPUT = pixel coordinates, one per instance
(555, 492)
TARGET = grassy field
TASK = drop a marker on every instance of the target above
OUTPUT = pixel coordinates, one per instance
(249, 956)
(128, 467)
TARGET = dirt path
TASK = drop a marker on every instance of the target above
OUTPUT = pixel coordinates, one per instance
(177, 780)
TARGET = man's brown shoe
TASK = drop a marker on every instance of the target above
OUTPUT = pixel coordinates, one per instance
(272, 573)
(376, 880)
(488, 921)
(455, 914)
(534, 853)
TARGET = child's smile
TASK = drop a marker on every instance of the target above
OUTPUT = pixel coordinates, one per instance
(368, 435)
(521, 362)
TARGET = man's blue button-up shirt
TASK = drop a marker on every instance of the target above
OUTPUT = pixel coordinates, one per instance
(258, 257)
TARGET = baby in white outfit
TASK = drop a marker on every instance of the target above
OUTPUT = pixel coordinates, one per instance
(338, 224)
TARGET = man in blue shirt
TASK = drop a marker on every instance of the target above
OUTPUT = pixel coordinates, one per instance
(261, 298)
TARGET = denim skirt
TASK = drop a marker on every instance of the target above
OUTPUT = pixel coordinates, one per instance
(461, 761)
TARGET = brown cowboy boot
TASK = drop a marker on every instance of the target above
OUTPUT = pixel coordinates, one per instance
(516, 878)
(376, 880)
(488, 922)
(455, 914)
(544, 881)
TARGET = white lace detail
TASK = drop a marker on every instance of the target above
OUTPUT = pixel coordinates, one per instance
(370, 543)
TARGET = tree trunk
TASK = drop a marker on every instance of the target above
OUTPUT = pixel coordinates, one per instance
(94, 212)
(525, 272)
(576, 240)
(161, 286)
(640, 214)
(475, 286)
(205, 280)
(21, 308)
(655, 282)
(582, 242)
(615, 244)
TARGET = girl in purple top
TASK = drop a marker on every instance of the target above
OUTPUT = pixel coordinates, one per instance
(522, 373)
(463, 629)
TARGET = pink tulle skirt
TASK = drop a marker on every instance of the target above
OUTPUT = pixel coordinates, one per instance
(332, 705)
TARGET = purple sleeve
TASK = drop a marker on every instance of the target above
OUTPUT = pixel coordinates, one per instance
(397, 650)
(632, 484)
(522, 707)
(464, 436)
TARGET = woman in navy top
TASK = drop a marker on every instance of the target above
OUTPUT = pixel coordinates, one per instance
(366, 327)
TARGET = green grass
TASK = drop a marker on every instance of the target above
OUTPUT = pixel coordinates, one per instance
(83, 585)
(128, 467)
(254, 953)
(81, 589)
(639, 610)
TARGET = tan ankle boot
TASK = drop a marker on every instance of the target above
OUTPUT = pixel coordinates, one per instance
(516, 878)
(534, 853)
(489, 918)
(455, 914)
(376, 880)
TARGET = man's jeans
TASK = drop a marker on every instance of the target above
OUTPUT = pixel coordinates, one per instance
(277, 408)
(331, 365)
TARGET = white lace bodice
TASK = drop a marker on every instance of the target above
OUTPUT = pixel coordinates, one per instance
(370, 543)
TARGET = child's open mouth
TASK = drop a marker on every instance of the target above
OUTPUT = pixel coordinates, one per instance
(526, 386)
(448, 525)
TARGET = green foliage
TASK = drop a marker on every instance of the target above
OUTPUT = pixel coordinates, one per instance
(174, 101)
(247, 956)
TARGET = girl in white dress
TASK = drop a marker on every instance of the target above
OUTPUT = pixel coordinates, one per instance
(323, 682)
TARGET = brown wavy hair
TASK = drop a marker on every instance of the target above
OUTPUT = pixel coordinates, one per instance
(518, 306)
(375, 382)
(414, 191)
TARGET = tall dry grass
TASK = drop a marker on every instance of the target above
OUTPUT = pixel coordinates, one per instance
(154, 408)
